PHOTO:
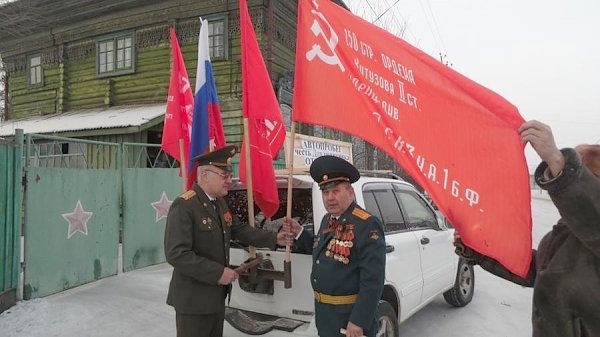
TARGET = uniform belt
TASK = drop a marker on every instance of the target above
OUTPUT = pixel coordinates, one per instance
(335, 299)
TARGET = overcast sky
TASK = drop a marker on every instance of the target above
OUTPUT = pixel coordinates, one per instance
(543, 56)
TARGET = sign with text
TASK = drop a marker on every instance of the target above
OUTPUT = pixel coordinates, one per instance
(456, 138)
(307, 149)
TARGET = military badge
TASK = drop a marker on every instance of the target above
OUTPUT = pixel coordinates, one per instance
(374, 235)
(339, 247)
(228, 218)
(188, 195)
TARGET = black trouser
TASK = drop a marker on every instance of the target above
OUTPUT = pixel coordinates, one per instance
(210, 325)
(331, 318)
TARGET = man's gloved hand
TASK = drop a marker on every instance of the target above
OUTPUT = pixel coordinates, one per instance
(470, 255)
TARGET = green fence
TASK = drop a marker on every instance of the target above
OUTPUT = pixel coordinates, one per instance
(10, 224)
(86, 199)
(71, 213)
(147, 196)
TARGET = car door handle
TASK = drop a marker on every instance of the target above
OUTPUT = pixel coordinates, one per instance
(424, 240)
(389, 248)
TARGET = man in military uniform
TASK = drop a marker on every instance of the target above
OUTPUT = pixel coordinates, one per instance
(348, 270)
(197, 237)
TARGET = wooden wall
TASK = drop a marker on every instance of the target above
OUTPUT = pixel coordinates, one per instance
(69, 60)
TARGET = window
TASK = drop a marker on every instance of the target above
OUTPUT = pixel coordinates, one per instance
(392, 217)
(217, 38)
(381, 202)
(115, 55)
(59, 154)
(35, 70)
(420, 216)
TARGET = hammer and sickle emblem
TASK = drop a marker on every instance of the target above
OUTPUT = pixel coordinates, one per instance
(331, 42)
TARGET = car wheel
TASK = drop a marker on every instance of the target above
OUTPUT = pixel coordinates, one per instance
(388, 320)
(464, 286)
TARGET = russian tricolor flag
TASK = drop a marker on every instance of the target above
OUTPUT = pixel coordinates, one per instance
(207, 126)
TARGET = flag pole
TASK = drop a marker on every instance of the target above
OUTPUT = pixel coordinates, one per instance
(249, 192)
(183, 163)
(287, 262)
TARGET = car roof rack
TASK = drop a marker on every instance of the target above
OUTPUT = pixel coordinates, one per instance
(380, 173)
(297, 170)
(366, 173)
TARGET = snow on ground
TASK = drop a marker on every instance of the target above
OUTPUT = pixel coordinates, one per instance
(130, 304)
(133, 304)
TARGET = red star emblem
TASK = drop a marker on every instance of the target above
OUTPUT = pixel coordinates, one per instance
(162, 206)
(77, 220)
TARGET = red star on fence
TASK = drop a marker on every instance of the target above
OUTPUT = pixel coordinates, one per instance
(77, 220)
(162, 206)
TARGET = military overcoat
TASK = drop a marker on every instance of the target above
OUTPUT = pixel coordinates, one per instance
(197, 240)
(348, 259)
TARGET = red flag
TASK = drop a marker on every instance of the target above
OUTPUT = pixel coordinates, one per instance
(266, 127)
(456, 138)
(180, 105)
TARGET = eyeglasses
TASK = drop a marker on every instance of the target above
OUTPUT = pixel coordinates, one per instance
(221, 174)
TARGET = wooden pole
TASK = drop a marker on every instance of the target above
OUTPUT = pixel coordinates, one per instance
(249, 192)
(211, 145)
(287, 265)
(183, 164)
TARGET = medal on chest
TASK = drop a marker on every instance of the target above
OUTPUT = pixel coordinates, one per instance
(339, 247)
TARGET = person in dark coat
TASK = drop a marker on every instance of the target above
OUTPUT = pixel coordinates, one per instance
(565, 268)
(348, 270)
(199, 228)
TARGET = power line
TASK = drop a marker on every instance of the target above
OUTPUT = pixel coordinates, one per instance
(382, 14)
(372, 9)
(388, 11)
(400, 27)
(436, 25)
(429, 25)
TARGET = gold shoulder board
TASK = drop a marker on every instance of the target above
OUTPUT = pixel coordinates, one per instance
(188, 195)
(361, 214)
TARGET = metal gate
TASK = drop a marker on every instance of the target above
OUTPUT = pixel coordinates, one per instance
(71, 213)
(82, 200)
(10, 219)
(149, 187)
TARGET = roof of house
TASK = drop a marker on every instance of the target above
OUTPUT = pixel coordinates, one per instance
(23, 18)
(95, 119)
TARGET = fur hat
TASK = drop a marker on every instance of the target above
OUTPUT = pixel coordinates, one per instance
(590, 157)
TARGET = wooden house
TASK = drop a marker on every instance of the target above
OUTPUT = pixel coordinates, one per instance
(66, 58)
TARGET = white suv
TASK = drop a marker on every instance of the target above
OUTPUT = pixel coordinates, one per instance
(420, 261)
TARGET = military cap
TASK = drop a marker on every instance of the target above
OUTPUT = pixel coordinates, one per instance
(328, 171)
(220, 158)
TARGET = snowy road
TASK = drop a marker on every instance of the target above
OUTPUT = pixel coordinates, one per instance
(133, 304)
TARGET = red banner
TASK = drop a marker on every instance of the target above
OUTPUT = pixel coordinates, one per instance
(456, 138)
(265, 122)
(180, 105)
